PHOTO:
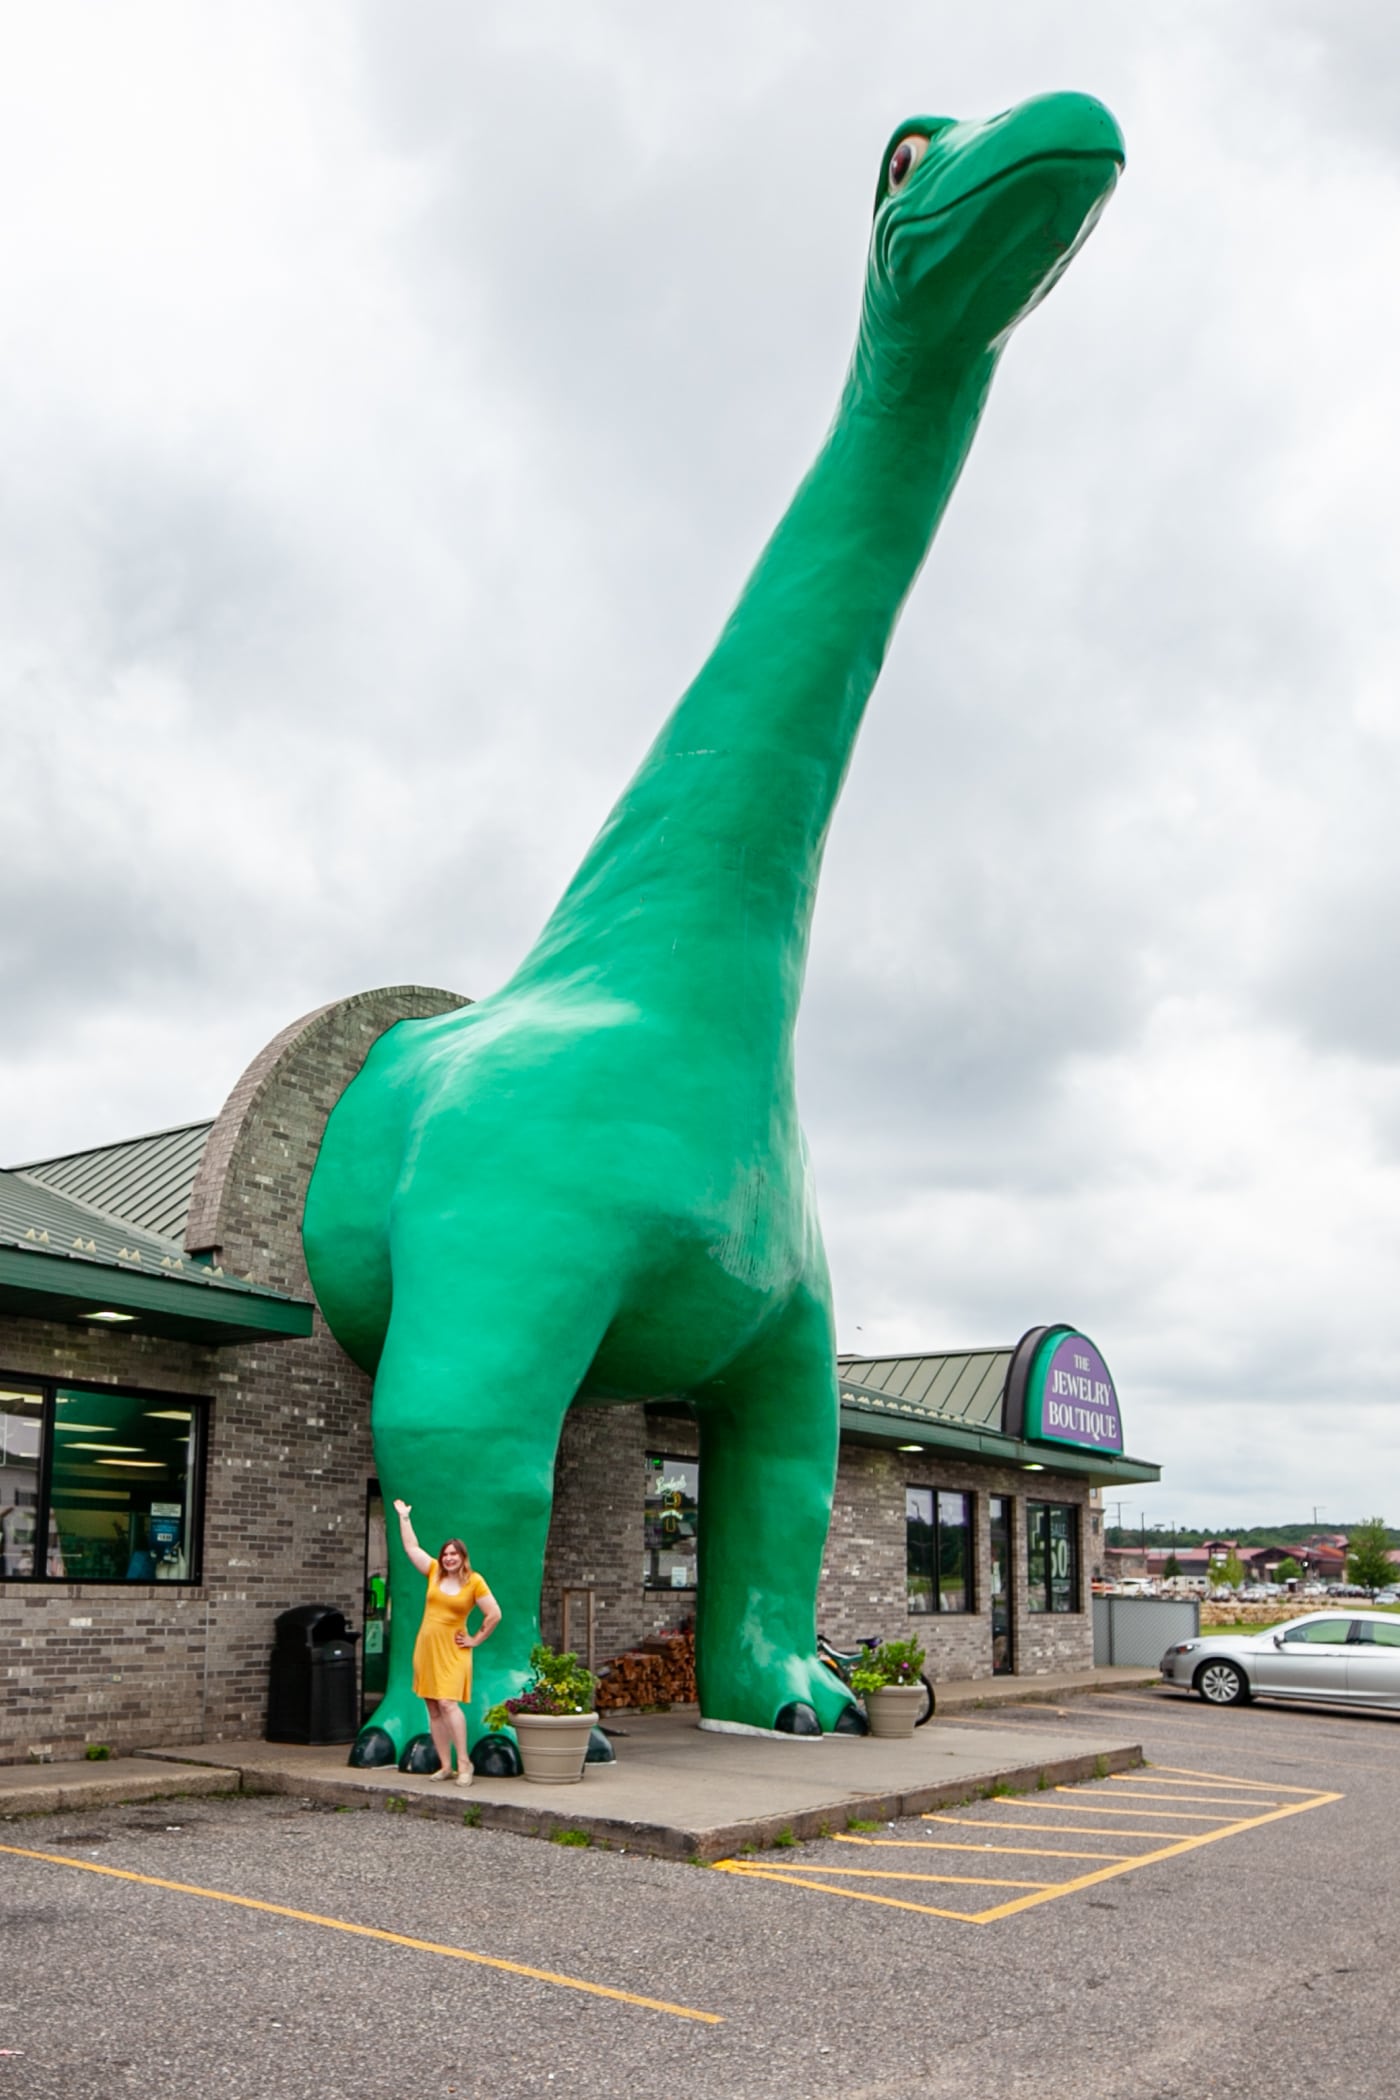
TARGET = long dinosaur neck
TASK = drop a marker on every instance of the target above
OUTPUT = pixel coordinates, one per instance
(707, 867)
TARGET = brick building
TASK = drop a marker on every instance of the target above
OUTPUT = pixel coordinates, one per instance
(185, 1450)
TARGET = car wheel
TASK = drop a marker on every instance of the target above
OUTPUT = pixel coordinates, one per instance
(1222, 1684)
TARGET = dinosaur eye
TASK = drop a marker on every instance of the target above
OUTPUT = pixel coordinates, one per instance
(905, 158)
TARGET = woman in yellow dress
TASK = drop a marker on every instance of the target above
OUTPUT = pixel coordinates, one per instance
(442, 1654)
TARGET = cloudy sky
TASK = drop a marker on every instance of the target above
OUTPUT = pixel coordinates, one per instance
(391, 403)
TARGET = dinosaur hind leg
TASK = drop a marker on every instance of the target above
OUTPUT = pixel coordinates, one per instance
(768, 1443)
(486, 1348)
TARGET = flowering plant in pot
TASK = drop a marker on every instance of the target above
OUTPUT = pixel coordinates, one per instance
(891, 1683)
(552, 1718)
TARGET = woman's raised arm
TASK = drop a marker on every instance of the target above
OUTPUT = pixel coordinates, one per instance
(422, 1561)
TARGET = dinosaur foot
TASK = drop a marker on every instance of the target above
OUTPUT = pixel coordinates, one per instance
(372, 1746)
(496, 1756)
(797, 1718)
(390, 1733)
(801, 1698)
(420, 1755)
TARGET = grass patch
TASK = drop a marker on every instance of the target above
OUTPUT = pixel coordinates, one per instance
(1100, 1767)
(472, 1816)
(784, 1841)
(999, 1789)
(395, 1805)
(570, 1837)
(861, 1823)
(96, 1753)
(1042, 1784)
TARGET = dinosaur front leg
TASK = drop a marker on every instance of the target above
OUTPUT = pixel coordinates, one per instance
(485, 1351)
(768, 1447)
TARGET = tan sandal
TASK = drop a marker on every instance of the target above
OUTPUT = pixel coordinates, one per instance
(466, 1776)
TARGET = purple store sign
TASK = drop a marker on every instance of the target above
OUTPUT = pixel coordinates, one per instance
(1071, 1398)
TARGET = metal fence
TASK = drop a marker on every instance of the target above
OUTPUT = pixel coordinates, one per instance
(1141, 1629)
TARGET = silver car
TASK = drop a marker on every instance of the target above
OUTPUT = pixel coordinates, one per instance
(1347, 1655)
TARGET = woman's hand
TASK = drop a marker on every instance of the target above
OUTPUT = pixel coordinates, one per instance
(405, 1509)
(465, 1640)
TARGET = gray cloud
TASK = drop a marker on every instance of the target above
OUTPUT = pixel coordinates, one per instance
(377, 475)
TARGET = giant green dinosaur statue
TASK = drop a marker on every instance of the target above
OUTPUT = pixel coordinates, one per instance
(594, 1180)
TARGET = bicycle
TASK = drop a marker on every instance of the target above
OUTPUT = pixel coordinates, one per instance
(843, 1662)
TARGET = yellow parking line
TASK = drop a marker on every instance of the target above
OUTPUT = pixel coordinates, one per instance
(1187, 1844)
(945, 1845)
(981, 1881)
(824, 1888)
(1135, 1794)
(371, 1932)
(1041, 1829)
(1163, 1815)
(1049, 1892)
(1156, 1777)
(1224, 1779)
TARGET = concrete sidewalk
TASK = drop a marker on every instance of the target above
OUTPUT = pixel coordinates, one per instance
(40, 1789)
(674, 1791)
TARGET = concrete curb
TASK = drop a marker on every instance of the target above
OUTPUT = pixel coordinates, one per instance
(112, 1789)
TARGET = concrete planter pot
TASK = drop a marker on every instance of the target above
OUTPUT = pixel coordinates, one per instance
(894, 1709)
(553, 1746)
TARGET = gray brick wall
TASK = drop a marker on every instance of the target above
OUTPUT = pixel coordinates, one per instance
(289, 1448)
(595, 1540)
(863, 1583)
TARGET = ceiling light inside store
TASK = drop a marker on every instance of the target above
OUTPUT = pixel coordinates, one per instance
(108, 1316)
(104, 1447)
(158, 1464)
(909, 1447)
(75, 1428)
(1032, 1465)
(167, 1414)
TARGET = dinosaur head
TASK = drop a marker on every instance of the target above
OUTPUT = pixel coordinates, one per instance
(974, 223)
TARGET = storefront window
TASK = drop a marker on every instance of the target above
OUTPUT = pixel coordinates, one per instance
(1052, 1556)
(672, 1518)
(938, 1550)
(118, 1501)
(21, 1436)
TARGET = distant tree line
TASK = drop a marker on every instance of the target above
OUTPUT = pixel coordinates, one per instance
(1178, 1535)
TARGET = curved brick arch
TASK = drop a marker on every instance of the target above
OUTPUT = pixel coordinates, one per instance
(246, 1204)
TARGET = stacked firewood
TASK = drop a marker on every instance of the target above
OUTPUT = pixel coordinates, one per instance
(661, 1672)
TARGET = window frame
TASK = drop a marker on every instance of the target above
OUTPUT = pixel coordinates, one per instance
(49, 1386)
(1045, 1589)
(939, 1610)
(654, 1587)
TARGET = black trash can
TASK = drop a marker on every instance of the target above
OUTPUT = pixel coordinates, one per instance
(313, 1693)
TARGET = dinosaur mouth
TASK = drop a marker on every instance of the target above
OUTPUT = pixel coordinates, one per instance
(896, 227)
(1032, 160)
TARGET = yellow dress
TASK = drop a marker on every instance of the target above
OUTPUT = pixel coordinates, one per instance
(442, 1670)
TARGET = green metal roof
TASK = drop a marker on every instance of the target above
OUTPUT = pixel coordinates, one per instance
(966, 1385)
(960, 1409)
(145, 1181)
(64, 1260)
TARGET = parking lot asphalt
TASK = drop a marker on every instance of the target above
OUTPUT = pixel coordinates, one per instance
(1257, 1959)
